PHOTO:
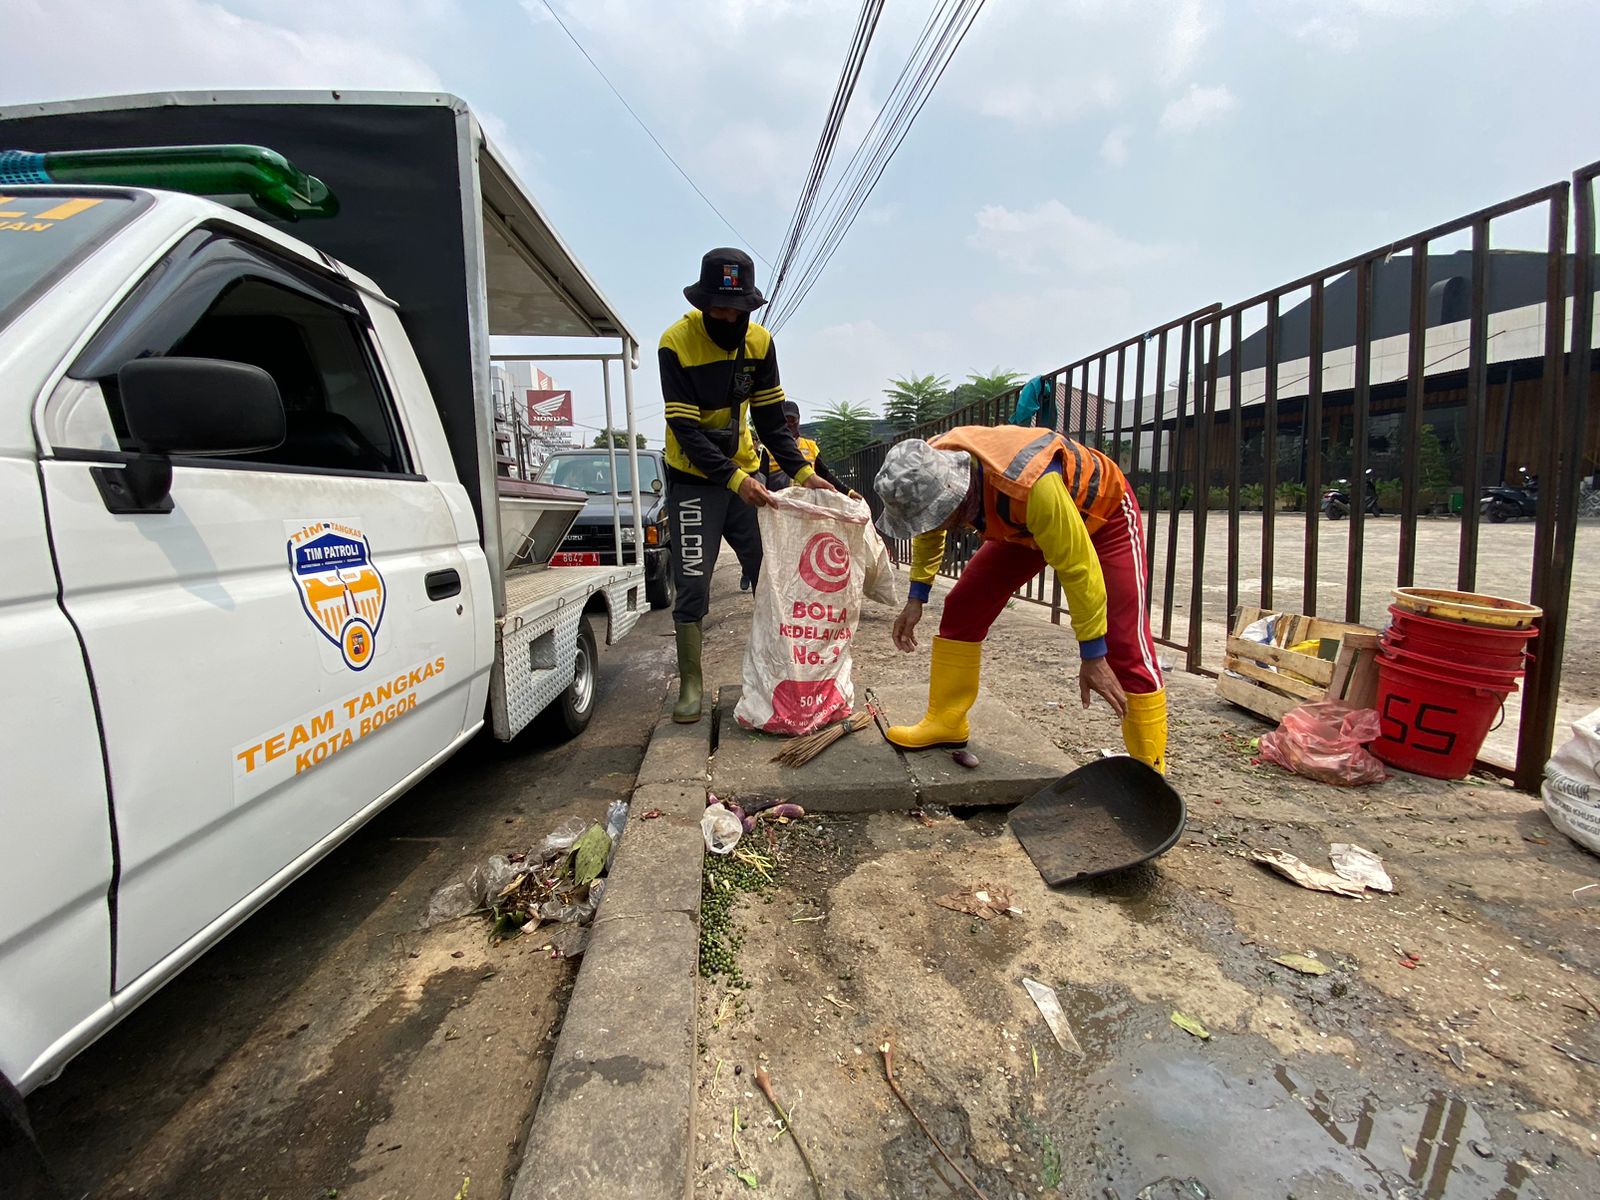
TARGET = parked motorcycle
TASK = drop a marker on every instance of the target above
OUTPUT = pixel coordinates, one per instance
(1507, 502)
(1336, 500)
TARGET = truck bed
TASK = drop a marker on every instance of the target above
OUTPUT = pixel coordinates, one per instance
(539, 633)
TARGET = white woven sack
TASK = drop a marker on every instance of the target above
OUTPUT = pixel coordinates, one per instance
(1571, 788)
(815, 556)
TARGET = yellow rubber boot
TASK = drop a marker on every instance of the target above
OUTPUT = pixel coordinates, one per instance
(1144, 729)
(952, 689)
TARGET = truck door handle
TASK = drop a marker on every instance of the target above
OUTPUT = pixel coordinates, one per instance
(443, 584)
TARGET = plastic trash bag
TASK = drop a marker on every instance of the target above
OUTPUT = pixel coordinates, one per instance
(616, 822)
(817, 552)
(559, 841)
(1326, 741)
(476, 890)
(721, 829)
(1571, 790)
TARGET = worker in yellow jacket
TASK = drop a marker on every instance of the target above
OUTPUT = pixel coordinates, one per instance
(1037, 499)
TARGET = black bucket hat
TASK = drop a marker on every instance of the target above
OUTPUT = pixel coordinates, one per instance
(727, 280)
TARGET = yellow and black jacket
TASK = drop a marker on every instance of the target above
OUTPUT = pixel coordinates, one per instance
(709, 392)
(810, 451)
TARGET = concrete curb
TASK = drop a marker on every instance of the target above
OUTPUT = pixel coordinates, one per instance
(616, 1118)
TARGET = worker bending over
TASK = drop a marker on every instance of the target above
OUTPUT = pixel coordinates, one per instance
(1036, 498)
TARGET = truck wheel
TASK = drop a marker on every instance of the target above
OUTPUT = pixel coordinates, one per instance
(661, 592)
(569, 715)
(21, 1164)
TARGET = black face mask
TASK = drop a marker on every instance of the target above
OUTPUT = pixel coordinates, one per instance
(727, 334)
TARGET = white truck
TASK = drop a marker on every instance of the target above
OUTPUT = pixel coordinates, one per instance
(262, 570)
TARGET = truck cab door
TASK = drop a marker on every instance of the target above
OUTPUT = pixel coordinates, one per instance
(287, 639)
(55, 828)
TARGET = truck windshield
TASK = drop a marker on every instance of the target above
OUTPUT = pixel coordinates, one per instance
(592, 472)
(45, 233)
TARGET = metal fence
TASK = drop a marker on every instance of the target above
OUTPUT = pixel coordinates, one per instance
(1204, 417)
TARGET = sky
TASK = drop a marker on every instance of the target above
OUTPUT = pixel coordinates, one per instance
(1087, 169)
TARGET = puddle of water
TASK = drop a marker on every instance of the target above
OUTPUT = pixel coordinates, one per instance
(1271, 1135)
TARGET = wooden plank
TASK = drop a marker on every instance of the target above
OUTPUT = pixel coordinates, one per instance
(1315, 669)
(1255, 699)
(1294, 687)
(1246, 618)
(1362, 689)
(1339, 683)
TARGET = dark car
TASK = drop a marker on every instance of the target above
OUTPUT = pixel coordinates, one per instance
(592, 538)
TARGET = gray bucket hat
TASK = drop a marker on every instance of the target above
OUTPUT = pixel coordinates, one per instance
(920, 487)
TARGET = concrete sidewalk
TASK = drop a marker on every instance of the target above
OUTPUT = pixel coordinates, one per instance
(617, 1115)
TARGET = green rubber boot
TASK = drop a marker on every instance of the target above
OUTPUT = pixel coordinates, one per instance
(687, 710)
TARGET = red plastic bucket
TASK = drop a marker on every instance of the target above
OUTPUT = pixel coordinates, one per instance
(1432, 724)
(1477, 672)
(1456, 642)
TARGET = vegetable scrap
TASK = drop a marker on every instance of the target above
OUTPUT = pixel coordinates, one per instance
(1191, 1026)
(887, 1050)
(764, 1082)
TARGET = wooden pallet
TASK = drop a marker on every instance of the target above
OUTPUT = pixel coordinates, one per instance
(1276, 679)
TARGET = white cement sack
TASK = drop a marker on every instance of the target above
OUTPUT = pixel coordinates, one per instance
(1571, 788)
(817, 553)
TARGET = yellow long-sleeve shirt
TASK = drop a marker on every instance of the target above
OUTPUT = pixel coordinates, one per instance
(1057, 529)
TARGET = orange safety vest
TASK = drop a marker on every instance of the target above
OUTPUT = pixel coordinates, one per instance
(1014, 458)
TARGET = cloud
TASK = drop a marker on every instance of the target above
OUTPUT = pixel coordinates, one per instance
(1333, 31)
(1042, 328)
(757, 72)
(1053, 238)
(169, 45)
(1196, 107)
(1051, 62)
(1114, 149)
(1186, 35)
(1050, 101)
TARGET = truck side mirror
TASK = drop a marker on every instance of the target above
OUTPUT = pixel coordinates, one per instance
(203, 406)
(200, 406)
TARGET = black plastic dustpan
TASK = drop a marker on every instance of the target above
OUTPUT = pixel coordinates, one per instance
(1112, 814)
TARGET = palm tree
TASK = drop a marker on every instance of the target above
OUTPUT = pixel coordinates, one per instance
(915, 399)
(842, 429)
(982, 386)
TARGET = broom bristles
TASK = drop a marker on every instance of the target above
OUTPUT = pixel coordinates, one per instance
(798, 751)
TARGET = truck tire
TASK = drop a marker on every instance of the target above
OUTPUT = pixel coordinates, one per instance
(570, 714)
(661, 592)
(21, 1164)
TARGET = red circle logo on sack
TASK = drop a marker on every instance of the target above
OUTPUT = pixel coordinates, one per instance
(825, 563)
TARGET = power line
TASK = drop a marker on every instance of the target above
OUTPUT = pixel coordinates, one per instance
(551, 10)
(849, 74)
(923, 69)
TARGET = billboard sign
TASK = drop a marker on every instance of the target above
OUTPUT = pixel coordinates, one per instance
(549, 409)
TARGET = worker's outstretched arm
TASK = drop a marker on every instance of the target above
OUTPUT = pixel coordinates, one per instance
(1058, 530)
(927, 554)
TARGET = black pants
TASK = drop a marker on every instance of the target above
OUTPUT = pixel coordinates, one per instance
(700, 515)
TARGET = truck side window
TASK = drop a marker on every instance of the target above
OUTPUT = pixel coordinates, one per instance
(336, 414)
(219, 296)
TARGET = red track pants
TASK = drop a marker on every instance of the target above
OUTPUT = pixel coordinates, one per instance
(999, 568)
